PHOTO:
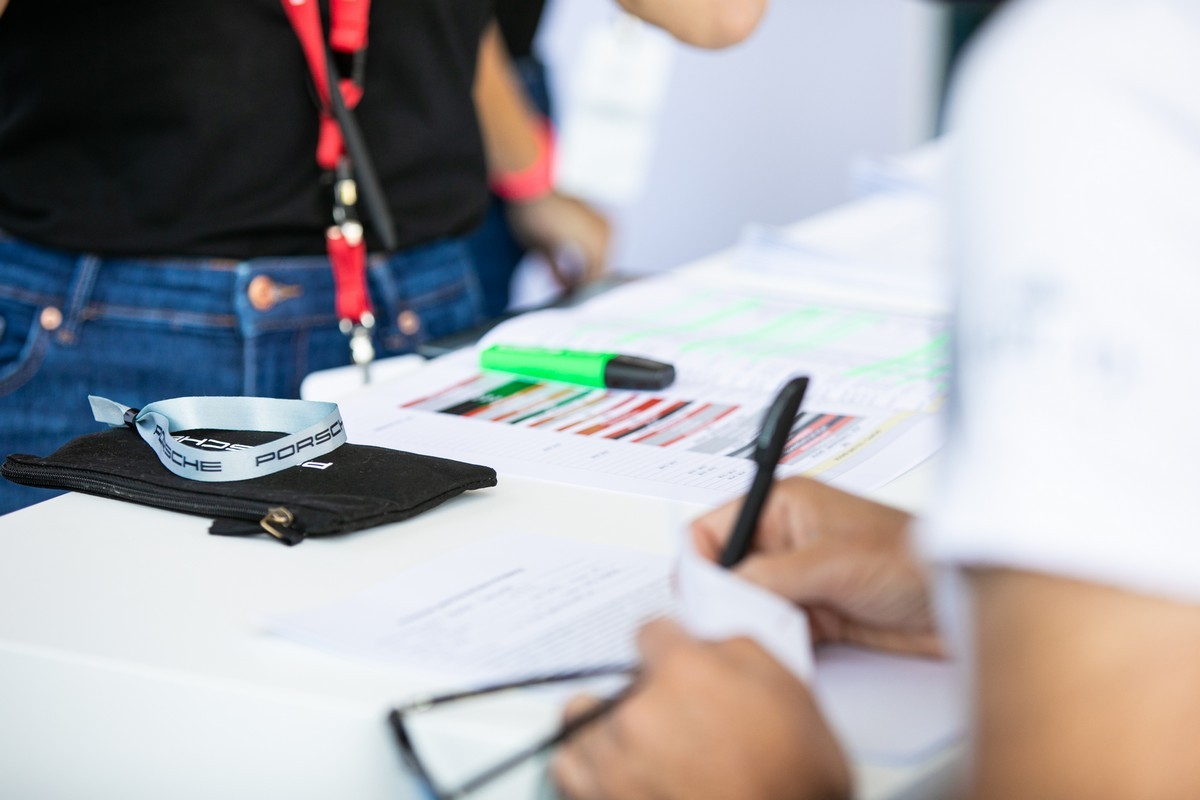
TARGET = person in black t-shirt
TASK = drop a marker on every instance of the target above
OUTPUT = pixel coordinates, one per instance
(163, 217)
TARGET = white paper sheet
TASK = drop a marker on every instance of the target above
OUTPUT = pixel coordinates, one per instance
(715, 604)
(889, 709)
(509, 606)
(735, 338)
(877, 380)
(671, 445)
(519, 604)
(905, 272)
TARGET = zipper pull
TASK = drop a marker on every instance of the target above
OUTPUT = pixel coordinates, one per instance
(278, 522)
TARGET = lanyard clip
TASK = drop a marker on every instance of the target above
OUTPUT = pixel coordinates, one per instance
(345, 195)
(362, 348)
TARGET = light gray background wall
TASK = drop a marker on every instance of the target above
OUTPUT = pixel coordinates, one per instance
(767, 131)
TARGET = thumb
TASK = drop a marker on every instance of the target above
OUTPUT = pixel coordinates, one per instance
(568, 263)
(707, 540)
(579, 705)
(659, 637)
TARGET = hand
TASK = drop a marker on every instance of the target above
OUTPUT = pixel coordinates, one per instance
(703, 23)
(711, 720)
(570, 234)
(845, 559)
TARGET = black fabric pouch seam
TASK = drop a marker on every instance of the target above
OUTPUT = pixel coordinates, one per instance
(243, 507)
(118, 487)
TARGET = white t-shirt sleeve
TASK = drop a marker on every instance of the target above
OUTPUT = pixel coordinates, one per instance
(1075, 417)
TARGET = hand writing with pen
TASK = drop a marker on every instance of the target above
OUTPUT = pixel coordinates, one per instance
(724, 720)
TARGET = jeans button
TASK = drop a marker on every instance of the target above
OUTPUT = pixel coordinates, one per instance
(51, 318)
(263, 293)
(409, 322)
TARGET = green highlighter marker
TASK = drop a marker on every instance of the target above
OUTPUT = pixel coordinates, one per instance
(610, 370)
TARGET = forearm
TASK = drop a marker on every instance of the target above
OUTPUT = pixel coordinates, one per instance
(507, 121)
(704, 23)
(1084, 691)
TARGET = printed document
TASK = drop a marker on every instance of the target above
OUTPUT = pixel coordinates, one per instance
(877, 381)
(520, 604)
(727, 337)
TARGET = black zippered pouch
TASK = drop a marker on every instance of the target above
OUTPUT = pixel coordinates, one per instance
(348, 489)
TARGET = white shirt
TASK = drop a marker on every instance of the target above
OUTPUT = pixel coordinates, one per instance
(1075, 207)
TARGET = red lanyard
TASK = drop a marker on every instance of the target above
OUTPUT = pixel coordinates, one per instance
(344, 238)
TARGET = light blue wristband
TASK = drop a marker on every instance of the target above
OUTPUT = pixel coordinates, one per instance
(311, 429)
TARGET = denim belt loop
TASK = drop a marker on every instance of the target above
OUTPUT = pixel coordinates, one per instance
(79, 292)
(239, 298)
(394, 307)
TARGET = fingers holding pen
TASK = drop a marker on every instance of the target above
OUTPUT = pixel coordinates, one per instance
(843, 558)
(841, 555)
(788, 516)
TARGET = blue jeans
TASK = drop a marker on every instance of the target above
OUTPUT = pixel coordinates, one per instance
(137, 330)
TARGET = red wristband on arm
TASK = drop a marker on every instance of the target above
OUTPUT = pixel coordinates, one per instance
(535, 180)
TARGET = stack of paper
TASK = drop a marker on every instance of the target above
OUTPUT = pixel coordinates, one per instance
(877, 379)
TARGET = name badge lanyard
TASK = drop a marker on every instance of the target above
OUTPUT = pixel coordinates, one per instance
(342, 154)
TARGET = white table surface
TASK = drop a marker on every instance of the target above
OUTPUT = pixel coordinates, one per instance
(133, 663)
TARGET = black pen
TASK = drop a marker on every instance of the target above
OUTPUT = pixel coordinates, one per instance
(768, 448)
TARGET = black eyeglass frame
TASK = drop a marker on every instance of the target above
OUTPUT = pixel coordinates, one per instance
(412, 760)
